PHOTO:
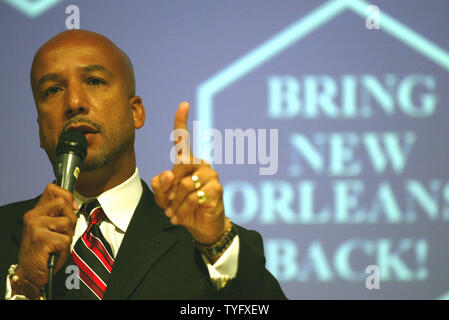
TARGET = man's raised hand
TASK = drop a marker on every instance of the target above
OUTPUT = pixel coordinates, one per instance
(191, 193)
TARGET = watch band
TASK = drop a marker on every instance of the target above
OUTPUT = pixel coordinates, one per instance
(215, 250)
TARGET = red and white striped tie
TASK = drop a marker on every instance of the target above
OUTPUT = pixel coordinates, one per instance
(93, 255)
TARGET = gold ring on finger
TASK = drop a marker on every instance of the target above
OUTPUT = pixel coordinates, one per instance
(196, 182)
(201, 196)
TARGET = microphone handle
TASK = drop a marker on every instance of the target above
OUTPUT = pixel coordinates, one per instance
(52, 260)
(68, 168)
(51, 266)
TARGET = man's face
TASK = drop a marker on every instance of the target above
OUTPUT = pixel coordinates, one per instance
(81, 84)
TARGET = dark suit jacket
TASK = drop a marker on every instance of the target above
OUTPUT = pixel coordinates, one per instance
(156, 260)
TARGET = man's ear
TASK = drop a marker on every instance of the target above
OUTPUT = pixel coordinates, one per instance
(138, 111)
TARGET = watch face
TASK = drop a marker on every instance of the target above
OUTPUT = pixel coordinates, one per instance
(222, 244)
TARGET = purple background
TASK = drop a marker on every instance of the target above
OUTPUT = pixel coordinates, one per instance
(177, 45)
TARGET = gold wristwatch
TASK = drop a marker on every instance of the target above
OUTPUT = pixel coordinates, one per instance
(216, 250)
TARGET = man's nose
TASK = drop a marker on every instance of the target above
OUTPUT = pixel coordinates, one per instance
(76, 102)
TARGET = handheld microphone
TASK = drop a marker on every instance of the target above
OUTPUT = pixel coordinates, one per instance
(70, 154)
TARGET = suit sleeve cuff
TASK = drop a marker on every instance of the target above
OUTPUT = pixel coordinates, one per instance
(8, 292)
(225, 268)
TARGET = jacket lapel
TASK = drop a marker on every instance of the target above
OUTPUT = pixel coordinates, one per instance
(144, 243)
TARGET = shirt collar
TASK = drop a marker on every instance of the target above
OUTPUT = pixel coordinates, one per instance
(120, 202)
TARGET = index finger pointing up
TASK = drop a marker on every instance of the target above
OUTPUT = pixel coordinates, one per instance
(180, 134)
(181, 116)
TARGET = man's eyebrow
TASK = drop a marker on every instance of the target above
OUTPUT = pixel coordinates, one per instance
(87, 69)
(96, 67)
(48, 77)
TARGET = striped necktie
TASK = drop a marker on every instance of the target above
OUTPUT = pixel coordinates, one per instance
(93, 255)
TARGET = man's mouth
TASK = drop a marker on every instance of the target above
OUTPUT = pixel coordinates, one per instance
(84, 128)
(88, 131)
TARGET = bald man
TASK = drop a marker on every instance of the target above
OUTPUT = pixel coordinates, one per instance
(123, 240)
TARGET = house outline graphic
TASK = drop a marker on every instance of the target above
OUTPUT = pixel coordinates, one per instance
(295, 32)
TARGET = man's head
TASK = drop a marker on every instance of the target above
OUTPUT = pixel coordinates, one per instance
(83, 81)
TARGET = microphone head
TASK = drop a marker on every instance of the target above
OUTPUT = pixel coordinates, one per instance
(72, 141)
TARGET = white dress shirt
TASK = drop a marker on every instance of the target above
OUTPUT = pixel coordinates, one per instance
(119, 204)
